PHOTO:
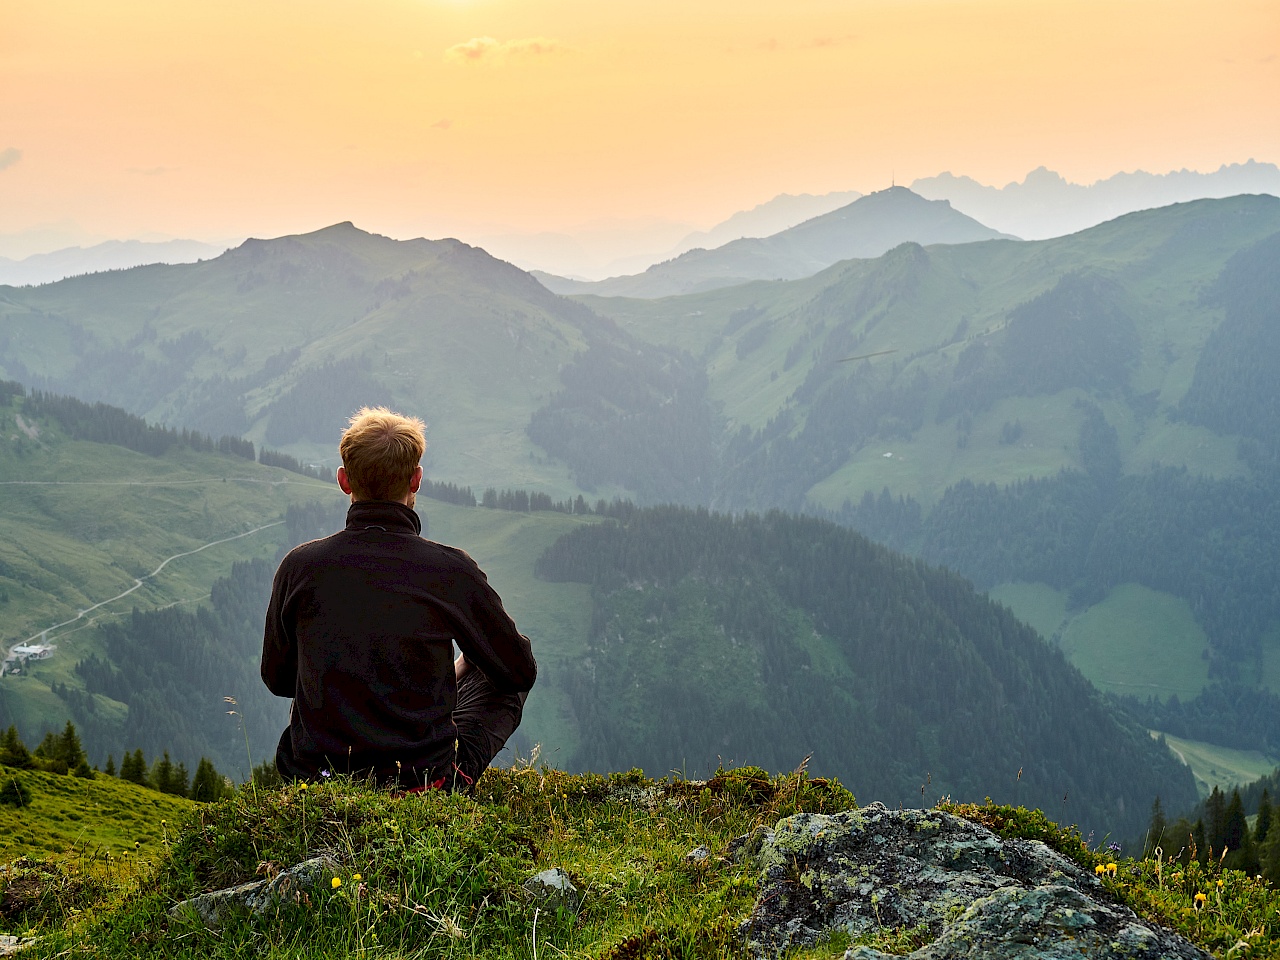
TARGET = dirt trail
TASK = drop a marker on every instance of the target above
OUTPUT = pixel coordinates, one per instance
(139, 581)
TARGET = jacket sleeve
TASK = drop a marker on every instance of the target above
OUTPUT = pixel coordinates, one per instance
(490, 640)
(279, 645)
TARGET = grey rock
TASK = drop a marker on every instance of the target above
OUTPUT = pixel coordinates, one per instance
(553, 888)
(10, 945)
(260, 896)
(978, 895)
(699, 854)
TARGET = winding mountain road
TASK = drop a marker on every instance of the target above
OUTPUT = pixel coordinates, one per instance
(139, 581)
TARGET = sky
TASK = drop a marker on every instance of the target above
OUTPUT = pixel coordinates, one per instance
(155, 118)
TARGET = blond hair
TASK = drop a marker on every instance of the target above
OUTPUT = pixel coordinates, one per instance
(380, 451)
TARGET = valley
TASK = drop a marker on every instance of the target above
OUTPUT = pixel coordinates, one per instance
(1045, 418)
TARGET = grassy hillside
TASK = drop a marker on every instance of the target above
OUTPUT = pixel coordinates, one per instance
(929, 307)
(81, 522)
(78, 820)
(280, 340)
(1221, 767)
(89, 531)
(437, 876)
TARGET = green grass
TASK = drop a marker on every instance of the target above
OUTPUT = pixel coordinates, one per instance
(439, 876)
(1141, 642)
(1037, 604)
(69, 818)
(1222, 767)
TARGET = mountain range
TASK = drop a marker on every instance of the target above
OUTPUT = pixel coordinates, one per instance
(1084, 426)
(1045, 204)
(110, 255)
(865, 228)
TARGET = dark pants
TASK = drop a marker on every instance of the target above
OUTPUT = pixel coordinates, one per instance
(486, 719)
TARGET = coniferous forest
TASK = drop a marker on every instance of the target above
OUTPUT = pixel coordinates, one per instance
(766, 639)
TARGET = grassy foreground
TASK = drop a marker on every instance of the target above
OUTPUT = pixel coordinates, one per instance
(439, 876)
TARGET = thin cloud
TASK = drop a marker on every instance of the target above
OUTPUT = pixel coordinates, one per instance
(490, 51)
(819, 43)
(442, 124)
(9, 157)
(151, 171)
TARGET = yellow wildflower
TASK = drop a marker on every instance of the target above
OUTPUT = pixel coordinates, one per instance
(1200, 899)
(356, 876)
(335, 883)
(1111, 869)
(302, 786)
(1099, 869)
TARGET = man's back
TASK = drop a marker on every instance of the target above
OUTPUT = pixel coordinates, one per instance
(360, 633)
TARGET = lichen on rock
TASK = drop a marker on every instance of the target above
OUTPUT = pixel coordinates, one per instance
(978, 895)
(260, 896)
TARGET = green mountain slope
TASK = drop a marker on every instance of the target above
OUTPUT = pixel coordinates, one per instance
(147, 666)
(1087, 413)
(764, 640)
(865, 228)
(281, 340)
(89, 817)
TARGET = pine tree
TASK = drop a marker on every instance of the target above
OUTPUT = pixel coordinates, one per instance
(49, 754)
(1155, 830)
(179, 781)
(162, 774)
(1241, 853)
(1262, 827)
(1270, 858)
(110, 768)
(13, 752)
(134, 768)
(70, 749)
(207, 784)
(1215, 816)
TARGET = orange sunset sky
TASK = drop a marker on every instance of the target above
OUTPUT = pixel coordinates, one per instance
(131, 118)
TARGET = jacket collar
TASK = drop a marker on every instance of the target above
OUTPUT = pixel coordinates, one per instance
(387, 514)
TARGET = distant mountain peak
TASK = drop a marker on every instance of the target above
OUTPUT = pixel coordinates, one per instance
(864, 229)
(1046, 204)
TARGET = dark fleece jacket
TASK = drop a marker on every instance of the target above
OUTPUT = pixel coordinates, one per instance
(359, 633)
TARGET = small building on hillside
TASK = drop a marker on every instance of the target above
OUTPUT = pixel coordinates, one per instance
(19, 656)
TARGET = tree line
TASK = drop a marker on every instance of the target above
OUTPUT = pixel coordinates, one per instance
(1218, 829)
(63, 753)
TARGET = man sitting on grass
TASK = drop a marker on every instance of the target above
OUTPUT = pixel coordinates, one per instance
(360, 632)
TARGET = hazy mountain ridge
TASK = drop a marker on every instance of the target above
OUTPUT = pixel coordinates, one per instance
(1046, 205)
(109, 255)
(865, 228)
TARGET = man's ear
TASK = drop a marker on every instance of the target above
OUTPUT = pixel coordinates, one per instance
(416, 480)
(343, 484)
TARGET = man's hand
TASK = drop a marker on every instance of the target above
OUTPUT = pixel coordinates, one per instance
(460, 668)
